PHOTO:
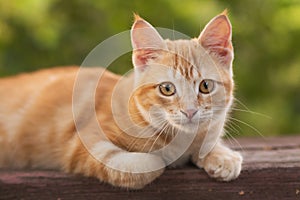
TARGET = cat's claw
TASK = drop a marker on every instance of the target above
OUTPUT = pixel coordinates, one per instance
(223, 166)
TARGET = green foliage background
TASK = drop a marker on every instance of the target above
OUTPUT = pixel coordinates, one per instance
(37, 34)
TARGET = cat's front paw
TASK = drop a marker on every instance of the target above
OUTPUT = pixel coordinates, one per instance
(224, 166)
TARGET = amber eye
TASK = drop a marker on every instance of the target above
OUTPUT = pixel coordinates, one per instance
(206, 86)
(167, 88)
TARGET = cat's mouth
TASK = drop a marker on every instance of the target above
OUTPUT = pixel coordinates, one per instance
(193, 124)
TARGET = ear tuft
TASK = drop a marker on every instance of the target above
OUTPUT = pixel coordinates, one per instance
(136, 17)
(225, 12)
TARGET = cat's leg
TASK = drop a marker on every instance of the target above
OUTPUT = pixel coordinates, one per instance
(221, 163)
(111, 164)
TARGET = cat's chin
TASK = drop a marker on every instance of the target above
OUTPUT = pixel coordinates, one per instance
(187, 128)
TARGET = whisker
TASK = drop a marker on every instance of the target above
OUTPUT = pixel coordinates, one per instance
(156, 131)
(145, 132)
(252, 112)
(160, 133)
(231, 138)
(231, 127)
(248, 125)
(241, 103)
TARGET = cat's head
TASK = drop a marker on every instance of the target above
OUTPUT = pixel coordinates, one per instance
(183, 82)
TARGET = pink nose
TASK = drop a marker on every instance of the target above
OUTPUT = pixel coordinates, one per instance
(189, 113)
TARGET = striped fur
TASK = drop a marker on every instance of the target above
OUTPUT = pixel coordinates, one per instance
(141, 130)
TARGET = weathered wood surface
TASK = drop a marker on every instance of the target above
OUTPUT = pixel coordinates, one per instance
(271, 171)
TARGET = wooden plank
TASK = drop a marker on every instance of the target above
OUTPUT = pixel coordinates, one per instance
(271, 158)
(269, 173)
(187, 183)
(274, 152)
(266, 143)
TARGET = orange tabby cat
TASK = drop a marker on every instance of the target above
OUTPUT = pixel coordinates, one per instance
(170, 110)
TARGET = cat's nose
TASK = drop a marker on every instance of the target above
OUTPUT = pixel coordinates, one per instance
(189, 113)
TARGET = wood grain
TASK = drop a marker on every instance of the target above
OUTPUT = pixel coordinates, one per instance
(271, 171)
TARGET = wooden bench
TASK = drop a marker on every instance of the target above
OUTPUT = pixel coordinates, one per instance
(271, 170)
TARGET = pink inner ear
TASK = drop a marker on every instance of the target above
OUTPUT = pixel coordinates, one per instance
(146, 42)
(216, 37)
(145, 36)
(217, 33)
(142, 56)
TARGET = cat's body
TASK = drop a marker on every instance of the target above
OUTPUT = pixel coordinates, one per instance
(167, 107)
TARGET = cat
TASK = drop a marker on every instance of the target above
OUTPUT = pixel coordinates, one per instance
(170, 110)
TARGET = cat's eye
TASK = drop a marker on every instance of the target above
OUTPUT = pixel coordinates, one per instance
(167, 88)
(206, 86)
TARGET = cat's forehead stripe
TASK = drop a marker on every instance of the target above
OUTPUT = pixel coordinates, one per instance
(184, 63)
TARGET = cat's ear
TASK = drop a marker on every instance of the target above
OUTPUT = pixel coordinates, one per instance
(146, 42)
(216, 38)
